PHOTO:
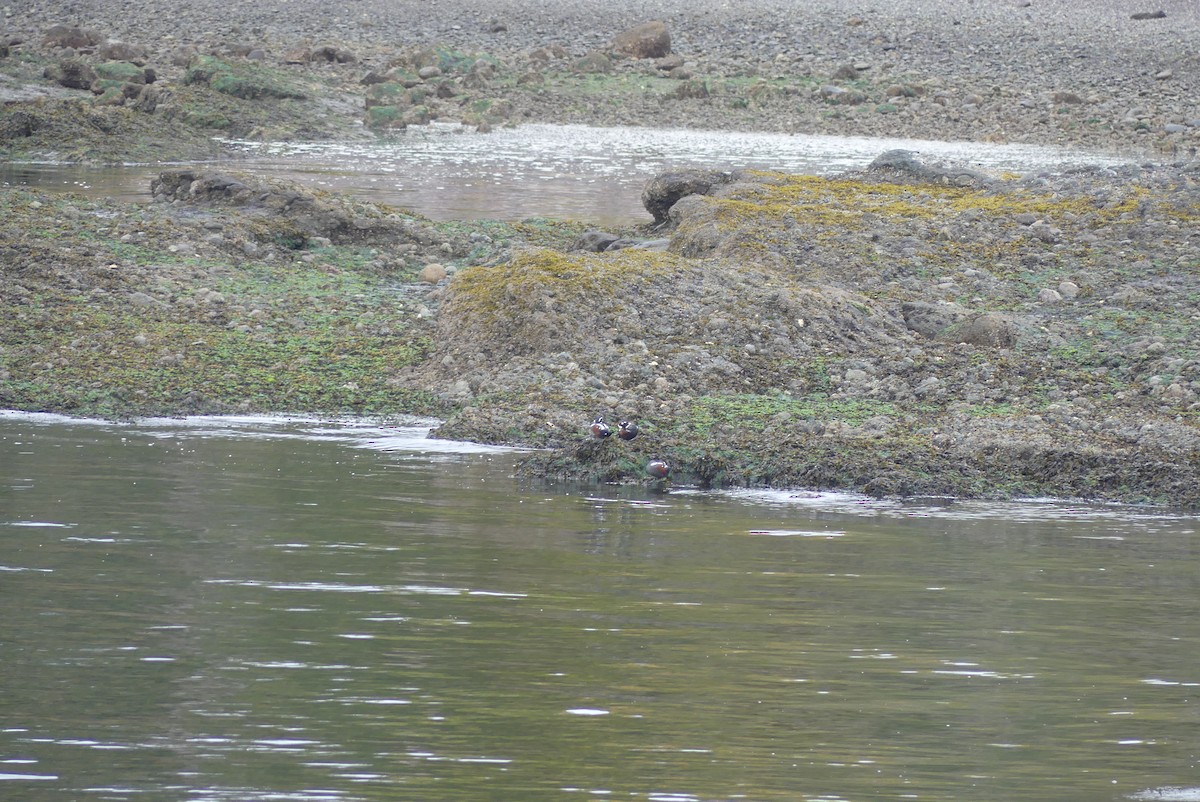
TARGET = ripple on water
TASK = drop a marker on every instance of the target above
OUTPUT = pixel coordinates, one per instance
(1168, 794)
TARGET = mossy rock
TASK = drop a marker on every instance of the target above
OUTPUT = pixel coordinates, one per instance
(388, 93)
(450, 60)
(111, 96)
(381, 117)
(247, 83)
(123, 71)
(207, 118)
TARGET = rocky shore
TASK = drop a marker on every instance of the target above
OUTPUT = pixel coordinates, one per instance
(910, 329)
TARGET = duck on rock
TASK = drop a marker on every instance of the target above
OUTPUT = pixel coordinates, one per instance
(600, 429)
(658, 468)
(627, 430)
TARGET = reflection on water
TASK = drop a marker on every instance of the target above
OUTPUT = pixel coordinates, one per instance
(249, 609)
(568, 172)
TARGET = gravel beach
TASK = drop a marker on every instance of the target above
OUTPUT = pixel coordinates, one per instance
(1124, 75)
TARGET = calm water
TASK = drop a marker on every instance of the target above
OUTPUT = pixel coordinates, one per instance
(567, 172)
(249, 610)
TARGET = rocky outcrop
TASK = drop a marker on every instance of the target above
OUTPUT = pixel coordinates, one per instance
(905, 164)
(666, 189)
(295, 215)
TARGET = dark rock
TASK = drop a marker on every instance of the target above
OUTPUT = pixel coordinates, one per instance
(594, 241)
(648, 40)
(662, 191)
(147, 98)
(17, 125)
(331, 54)
(72, 74)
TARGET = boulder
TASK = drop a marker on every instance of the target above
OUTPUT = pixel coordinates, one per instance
(930, 319)
(990, 329)
(593, 62)
(648, 40)
(72, 74)
(432, 273)
(662, 191)
(123, 51)
(124, 72)
(70, 36)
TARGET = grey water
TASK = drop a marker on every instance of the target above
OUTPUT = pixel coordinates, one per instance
(305, 610)
(448, 172)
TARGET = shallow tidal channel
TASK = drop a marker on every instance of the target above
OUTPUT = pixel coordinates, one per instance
(276, 609)
(565, 172)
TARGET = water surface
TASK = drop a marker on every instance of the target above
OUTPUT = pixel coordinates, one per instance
(250, 609)
(449, 172)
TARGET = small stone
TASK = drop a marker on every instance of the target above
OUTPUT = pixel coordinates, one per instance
(1049, 296)
(1068, 289)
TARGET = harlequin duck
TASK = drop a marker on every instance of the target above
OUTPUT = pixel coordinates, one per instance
(626, 430)
(658, 468)
(600, 429)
